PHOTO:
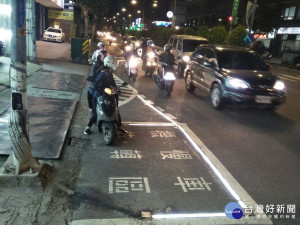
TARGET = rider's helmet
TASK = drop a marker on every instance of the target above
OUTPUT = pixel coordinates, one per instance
(149, 42)
(110, 62)
(100, 44)
(167, 48)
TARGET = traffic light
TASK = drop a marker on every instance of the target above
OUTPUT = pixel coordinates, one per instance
(230, 19)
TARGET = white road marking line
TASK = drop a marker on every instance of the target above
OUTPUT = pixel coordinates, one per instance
(291, 77)
(170, 116)
(216, 166)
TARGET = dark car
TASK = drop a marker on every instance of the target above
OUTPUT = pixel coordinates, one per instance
(233, 74)
(2, 48)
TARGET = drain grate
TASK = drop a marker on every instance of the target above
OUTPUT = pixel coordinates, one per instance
(4, 105)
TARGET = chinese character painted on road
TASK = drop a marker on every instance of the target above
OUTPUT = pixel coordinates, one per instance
(128, 184)
(126, 154)
(193, 184)
(175, 154)
(159, 133)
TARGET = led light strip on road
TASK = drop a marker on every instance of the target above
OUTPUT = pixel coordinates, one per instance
(214, 166)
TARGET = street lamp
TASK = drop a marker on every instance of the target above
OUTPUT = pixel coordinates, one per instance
(133, 2)
(123, 10)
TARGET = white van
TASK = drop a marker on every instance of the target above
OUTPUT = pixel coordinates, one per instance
(183, 47)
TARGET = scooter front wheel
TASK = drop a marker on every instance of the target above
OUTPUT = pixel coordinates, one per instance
(109, 131)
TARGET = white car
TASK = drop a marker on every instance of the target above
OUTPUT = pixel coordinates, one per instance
(53, 34)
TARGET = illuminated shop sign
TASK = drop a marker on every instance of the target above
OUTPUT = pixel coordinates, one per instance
(289, 30)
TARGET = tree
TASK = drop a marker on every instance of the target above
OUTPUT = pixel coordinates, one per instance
(237, 35)
(95, 9)
(267, 15)
(218, 35)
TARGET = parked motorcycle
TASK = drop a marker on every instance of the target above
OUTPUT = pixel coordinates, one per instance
(150, 64)
(165, 78)
(108, 114)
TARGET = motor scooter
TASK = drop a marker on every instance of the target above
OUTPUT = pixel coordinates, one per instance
(150, 64)
(165, 78)
(108, 116)
(131, 65)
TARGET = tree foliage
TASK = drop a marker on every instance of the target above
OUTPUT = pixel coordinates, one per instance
(237, 35)
(267, 15)
(218, 35)
(93, 12)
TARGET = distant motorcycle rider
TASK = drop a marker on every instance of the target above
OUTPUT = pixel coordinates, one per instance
(100, 47)
(167, 58)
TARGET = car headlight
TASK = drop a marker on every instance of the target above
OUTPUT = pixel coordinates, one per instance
(186, 58)
(279, 85)
(236, 83)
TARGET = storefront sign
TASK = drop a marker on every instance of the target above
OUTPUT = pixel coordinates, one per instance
(289, 30)
(62, 15)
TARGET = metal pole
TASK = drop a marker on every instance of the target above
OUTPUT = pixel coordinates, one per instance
(253, 14)
(174, 16)
(18, 126)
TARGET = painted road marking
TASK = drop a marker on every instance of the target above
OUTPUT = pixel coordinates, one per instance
(126, 154)
(193, 184)
(288, 77)
(128, 184)
(228, 181)
(176, 154)
(127, 92)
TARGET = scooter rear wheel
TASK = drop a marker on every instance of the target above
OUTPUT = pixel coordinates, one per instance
(109, 131)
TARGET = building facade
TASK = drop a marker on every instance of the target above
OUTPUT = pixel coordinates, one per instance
(36, 22)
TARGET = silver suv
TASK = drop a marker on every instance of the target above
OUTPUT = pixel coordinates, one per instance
(183, 47)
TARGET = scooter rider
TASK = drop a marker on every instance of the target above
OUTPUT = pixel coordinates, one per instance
(104, 79)
(166, 57)
(147, 50)
(96, 69)
(100, 46)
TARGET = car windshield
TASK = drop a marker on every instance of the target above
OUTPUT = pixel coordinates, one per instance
(54, 30)
(240, 60)
(190, 45)
(133, 39)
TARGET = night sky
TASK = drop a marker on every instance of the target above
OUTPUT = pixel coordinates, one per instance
(158, 13)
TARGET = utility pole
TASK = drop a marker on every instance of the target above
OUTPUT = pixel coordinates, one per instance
(174, 15)
(18, 126)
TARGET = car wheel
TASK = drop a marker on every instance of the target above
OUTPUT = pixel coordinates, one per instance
(188, 83)
(216, 97)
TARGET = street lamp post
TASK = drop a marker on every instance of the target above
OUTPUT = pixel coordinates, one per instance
(174, 16)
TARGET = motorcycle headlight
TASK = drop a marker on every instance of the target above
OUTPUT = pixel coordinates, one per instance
(236, 83)
(148, 63)
(279, 85)
(169, 76)
(186, 58)
(108, 91)
(133, 62)
(151, 54)
(137, 44)
(128, 48)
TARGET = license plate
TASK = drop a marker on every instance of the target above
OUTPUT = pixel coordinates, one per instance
(263, 99)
